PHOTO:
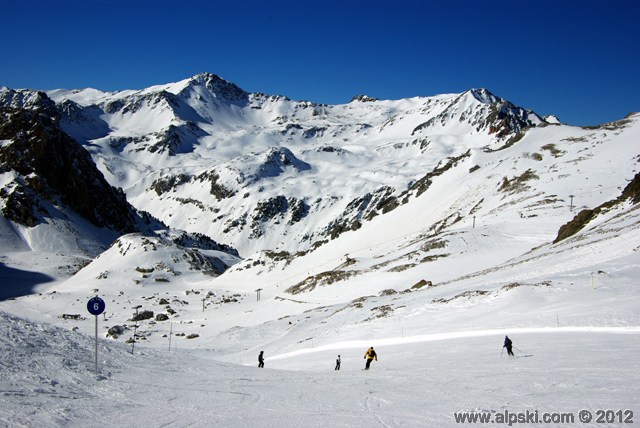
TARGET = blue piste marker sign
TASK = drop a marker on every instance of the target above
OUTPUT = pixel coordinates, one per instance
(96, 306)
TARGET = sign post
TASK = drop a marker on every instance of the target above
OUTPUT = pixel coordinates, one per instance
(96, 306)
(135, 329)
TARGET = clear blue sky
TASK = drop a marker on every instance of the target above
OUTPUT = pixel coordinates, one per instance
(577, 59)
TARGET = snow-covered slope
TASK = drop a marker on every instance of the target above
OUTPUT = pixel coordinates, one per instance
(48, 379)
(426, 227)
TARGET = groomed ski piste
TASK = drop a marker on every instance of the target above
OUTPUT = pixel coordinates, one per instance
(48, 379)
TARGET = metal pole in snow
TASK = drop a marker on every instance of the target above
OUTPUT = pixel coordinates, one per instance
(170, 333)
(135, 330)
(96, 306)
(96, 344)
(135, 335)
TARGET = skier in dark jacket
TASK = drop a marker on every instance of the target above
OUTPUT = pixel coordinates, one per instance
(338, 363)
(508, 344)
(261, 359)
(369, 356)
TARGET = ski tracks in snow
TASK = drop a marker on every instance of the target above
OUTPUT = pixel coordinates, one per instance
(372, 403)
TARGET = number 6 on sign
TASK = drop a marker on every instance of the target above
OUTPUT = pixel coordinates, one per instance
(96, 306)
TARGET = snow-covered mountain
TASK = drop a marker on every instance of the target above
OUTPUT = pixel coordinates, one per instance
(54, 200)
(205, 156)
(394, 223)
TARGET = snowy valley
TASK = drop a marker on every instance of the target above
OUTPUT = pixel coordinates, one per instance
(237, 222)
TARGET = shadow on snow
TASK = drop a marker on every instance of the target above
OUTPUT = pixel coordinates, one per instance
(16, 282)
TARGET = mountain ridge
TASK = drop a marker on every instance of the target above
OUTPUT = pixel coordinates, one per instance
(206, 114)
(265, 173)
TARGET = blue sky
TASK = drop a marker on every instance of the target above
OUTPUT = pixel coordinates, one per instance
(579, 60)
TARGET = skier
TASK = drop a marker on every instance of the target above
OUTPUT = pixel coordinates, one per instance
(508, 344)
(369, 356)
(338, 363)
(261, 359)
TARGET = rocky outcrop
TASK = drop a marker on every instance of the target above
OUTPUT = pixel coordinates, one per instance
(583, 218)
(49, 166)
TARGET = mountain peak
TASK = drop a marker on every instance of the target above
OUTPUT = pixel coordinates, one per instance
(510, 117)
(218, 86)
(206, 77)
(27, 99)
(363, 98)
(484, 95)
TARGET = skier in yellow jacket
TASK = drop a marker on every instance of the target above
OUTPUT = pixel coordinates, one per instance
(369, 356)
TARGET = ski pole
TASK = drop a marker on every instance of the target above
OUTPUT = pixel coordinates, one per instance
(502, 352)
(518, 349)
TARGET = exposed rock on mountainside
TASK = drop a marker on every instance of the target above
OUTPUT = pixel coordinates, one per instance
(200, 241)
(363, 98)
(276, 160)
(490, 113)
(176, 139)
(583, 218)
(31, 100)
(50, 168)
(215, 85)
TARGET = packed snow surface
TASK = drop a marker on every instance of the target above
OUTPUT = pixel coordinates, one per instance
(48, 379)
